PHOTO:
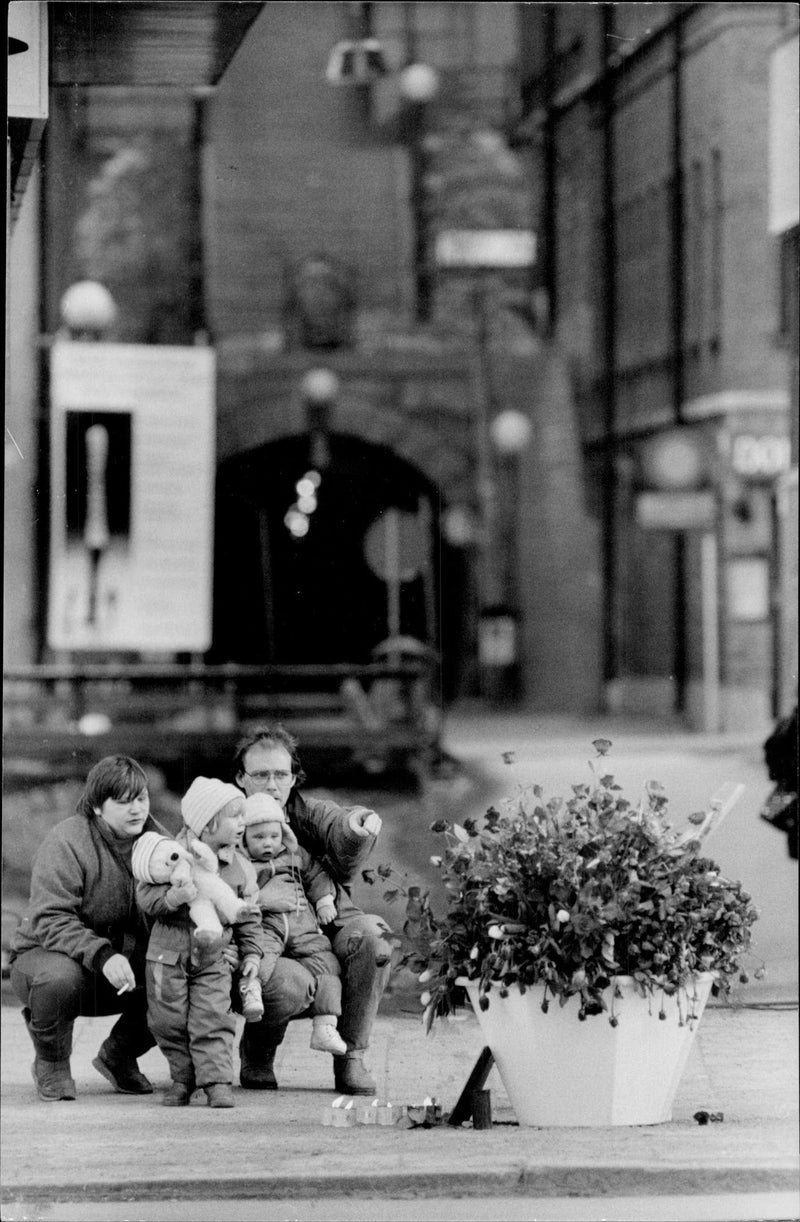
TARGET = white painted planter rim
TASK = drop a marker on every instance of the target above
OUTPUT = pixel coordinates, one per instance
(626, 982)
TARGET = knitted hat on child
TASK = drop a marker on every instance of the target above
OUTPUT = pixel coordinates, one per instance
(204, 798)
(142, 855)
(262, 808)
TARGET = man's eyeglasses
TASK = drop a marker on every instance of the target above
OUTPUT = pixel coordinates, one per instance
(280, 778)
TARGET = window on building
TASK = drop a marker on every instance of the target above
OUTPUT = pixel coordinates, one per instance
(789, 260)
(716, 270)
(696, 257)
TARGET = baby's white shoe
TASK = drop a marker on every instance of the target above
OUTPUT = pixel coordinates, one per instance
(252, 1004)
(325, 1037)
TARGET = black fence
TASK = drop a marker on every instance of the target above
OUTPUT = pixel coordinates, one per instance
(59, 719)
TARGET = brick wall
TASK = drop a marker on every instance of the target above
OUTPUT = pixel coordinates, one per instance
(297, 170)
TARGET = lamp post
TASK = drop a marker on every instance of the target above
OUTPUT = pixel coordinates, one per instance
(319, 388)
(478, 253)
(510, 432)
(419, 84)
(88, 312)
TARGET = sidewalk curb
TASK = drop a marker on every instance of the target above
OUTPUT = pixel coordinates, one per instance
(548, 1181)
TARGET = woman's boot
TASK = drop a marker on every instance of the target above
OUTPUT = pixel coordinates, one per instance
(53, 1080)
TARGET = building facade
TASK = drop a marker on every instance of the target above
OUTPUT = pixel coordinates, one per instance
(556, 468)
(650, 126)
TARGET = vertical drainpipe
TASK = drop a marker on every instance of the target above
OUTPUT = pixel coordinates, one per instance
(197, 305)
(40, 493)
(679, 662)
(609, 258)
(415, 135)
(549, 157)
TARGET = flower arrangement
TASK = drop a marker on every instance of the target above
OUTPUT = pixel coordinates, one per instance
(572, 894)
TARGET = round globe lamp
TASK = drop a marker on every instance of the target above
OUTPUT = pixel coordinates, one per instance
(510, 431)
(87, 308)
(320, 386)
(419, 83)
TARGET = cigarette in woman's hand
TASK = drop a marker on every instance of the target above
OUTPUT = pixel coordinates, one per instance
(124, 989)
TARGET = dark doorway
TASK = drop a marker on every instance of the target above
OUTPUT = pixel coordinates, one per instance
(316, 598)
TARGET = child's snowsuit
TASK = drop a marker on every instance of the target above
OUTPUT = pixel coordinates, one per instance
(189, 1003)
(286, 884)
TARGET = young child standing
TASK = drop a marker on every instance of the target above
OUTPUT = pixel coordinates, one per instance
(189, 988)
(289, 882)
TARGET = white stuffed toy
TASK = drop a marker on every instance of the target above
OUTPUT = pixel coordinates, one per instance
(157, 859)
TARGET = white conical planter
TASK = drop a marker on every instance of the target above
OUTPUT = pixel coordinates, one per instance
(558, 1070)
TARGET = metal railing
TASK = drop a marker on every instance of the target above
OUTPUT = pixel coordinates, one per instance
(167, 711)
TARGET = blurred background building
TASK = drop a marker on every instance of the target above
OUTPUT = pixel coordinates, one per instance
(458, 329)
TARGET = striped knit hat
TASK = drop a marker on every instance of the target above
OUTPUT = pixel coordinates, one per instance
(142, 855)
(204, 798)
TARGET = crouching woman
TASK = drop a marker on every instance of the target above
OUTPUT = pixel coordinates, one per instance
(80, 948)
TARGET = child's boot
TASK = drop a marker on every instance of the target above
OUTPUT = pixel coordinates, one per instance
(179, 1094)
(252, 1003)
(325, 1037)
(219, 1094)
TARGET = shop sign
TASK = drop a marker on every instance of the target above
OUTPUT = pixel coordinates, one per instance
(757, 457)
(132, 504)
(784, 137)
(676, 510)
(486, 248)
(26, 86)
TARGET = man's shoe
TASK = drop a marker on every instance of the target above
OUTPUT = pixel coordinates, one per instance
(219, 1094)
(53, 1080)
(122, 1072)
(257, 1074)
(257, 1077)
(351, 1077)
(179, 1094)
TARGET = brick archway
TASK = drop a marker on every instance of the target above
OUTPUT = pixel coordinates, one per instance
(318, 599)
(422, 413)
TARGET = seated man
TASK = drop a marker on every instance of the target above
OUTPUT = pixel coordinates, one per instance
(340, 839)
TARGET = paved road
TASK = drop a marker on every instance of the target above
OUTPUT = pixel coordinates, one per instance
(731, 1207)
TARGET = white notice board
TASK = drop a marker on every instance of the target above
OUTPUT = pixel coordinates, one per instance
(132, 497)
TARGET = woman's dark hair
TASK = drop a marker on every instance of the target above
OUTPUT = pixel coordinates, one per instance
(269, 736)
(116, 776)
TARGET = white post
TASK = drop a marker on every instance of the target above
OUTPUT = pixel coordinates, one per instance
(392, 538)
(710, 622)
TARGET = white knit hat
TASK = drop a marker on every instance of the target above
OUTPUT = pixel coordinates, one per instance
(262, 808)
(203, 799)
(142, 855)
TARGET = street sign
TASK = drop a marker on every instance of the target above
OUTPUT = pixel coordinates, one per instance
(485, 248)
(394, 547)
(761, 457)
(676, 510)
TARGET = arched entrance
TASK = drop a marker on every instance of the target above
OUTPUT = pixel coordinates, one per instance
(317, 598)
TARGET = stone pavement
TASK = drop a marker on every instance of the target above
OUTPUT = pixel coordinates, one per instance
(104, 1146)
